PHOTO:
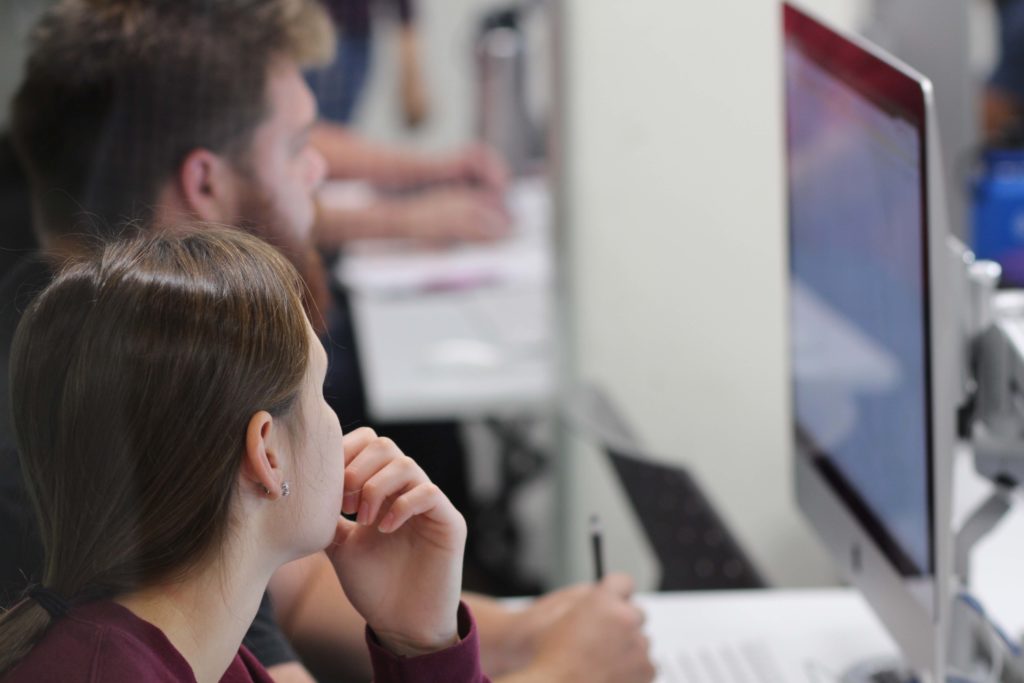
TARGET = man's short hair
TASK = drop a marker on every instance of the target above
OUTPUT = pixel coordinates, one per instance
(117, 92)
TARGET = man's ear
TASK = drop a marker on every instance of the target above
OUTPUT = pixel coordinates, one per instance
(261, 465)
(208, 186)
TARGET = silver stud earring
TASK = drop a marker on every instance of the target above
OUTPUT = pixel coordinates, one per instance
(285, 490)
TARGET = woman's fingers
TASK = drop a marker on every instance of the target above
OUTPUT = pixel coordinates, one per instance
(366, 463)
(394, 478)
(424, 499)
(355, 441)
(341, 534)
(386, 488)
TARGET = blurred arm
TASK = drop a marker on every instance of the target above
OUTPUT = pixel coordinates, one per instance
(443, 213)
(413, 91)
(293, 672)
(350, 156)
(319, 620)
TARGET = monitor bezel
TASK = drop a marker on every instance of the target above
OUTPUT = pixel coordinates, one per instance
(915, 610)
(898, 94)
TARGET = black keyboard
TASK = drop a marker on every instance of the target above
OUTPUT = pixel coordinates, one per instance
(694, 547)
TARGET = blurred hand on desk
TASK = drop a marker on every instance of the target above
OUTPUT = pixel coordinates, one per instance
(453, 213)
(479, 166)
(590, 633)
(350, 156)
(457, 195)
(442, 214)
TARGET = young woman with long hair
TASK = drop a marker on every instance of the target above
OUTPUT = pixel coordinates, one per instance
(167, 400)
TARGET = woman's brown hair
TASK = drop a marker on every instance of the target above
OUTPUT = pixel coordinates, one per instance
(133, 378)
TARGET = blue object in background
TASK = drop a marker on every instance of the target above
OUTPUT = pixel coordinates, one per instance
(338, 85)
(998, 212)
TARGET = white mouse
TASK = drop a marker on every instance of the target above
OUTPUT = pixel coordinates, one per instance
(463, 353)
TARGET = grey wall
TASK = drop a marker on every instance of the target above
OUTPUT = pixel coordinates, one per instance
(16, 18)
(674, 139)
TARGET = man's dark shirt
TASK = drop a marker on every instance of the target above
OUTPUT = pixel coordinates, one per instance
(16, 236)
(354, 17)
(22, 558)
(21, 553)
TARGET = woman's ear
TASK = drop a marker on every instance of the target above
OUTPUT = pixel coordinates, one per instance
(261, 466)
(208, 186)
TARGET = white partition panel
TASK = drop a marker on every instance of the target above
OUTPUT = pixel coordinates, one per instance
(674, 180)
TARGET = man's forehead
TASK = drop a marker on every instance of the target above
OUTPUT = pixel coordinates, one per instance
(289, 97)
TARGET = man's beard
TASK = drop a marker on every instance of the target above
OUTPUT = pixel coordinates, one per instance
(259, 217)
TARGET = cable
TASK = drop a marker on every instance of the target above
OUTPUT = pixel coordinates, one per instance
(997, 638)
(975, 604)
(998, 658)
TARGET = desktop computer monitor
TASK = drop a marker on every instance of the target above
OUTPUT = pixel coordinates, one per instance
(871, 331)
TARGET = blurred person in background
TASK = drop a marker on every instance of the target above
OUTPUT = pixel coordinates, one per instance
(339, 85)
(456, 195)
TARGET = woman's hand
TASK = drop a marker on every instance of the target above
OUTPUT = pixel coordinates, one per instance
(400, 562)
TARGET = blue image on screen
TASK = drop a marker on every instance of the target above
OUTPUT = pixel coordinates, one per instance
(857, 297)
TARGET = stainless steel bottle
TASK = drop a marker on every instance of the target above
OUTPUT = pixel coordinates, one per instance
(502, 118)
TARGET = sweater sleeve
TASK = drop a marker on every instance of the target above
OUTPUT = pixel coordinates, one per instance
(459, 663)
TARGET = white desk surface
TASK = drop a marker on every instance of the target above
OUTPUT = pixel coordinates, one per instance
(409, 375)
(457, 333)
(812, 636)
(777, 636)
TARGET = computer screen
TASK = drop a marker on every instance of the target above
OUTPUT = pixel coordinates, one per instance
(858, 291)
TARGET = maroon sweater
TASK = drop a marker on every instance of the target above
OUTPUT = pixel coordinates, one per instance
(103, 641)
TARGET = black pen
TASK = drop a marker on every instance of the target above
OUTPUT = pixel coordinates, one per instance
(595, 544)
